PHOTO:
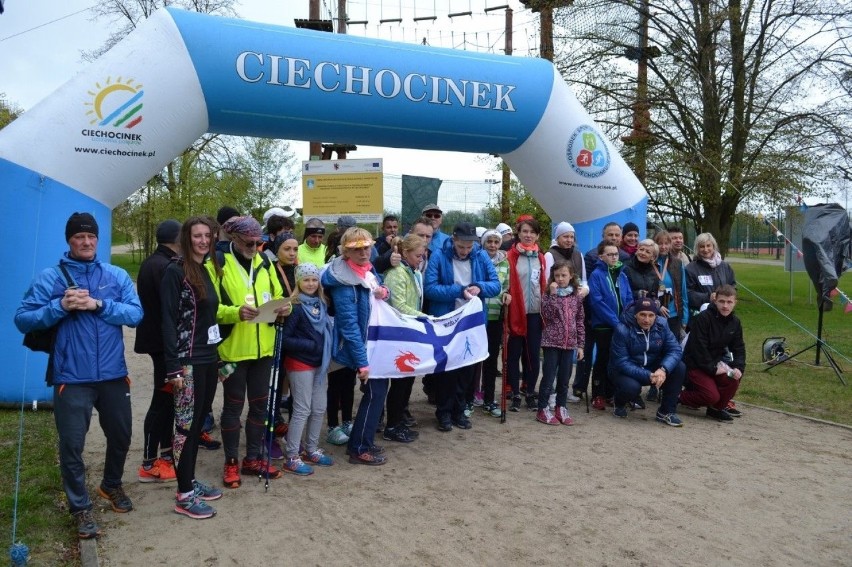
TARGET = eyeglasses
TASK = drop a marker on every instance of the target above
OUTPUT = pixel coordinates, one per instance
(250, 243)
(433, 215)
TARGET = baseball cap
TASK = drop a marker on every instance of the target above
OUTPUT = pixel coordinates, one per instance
(431, 207)
(465, 231)
(503, 229)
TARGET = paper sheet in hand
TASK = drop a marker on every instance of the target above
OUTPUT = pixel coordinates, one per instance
(267, 311)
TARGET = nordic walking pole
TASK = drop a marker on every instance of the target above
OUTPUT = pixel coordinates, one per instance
(271, 410)
(504, 357)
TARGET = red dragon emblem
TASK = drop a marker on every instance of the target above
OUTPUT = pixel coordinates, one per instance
(405, 360)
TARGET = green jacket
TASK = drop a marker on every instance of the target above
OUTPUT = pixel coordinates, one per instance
(494, 305)
(406, 296)
(247, 341)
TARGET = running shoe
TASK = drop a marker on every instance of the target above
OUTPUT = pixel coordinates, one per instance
(296, 466)
(259, 467)
(599, 403)
(337, 435)
(620, 411)
(87, 528)
(117, 498)
(516, 404)
(732, 410)
(368, 459)
(231, 475)
(161, 470)
(206, 441)
(671, 419)
(193, 507)
(318, 458)
(206, 492)
(573, 398)
(398, 434)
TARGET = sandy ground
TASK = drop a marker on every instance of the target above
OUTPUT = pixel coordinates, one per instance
(770, 489)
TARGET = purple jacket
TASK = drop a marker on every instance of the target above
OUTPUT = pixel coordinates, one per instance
(562, 319)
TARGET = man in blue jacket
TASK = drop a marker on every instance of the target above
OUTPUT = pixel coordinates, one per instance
(644, 352)
(458, 272)
(89, 370)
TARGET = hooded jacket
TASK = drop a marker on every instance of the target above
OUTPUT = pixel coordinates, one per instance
(89, 344)
(350, 296)
(637, 353)
(604, 304)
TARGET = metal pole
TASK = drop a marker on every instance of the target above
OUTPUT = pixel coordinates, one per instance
(505, 192)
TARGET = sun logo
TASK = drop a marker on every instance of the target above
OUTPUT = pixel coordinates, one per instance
(117, 104)
(405, 360)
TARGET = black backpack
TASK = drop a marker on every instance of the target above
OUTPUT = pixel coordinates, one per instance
(43, 340)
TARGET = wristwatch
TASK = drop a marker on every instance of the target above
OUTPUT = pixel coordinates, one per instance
(99, 305)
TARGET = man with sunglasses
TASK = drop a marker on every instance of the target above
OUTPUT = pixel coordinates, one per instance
(436, 217)
(245, 280)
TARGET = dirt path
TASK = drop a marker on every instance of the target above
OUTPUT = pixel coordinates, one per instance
(768, 490)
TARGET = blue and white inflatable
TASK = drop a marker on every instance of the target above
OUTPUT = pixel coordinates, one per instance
(108, 130)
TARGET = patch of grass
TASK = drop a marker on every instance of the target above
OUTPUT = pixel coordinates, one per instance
(797, 386)
(128, 262)
(43, 522)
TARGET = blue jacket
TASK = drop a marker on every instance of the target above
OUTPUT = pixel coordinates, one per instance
(440, 288)
(89, 345)
(350, 297)
(438, 240)
(603, 302)
(637, 353)
(301, 341)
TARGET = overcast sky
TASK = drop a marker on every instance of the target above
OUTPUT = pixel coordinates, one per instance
(37, 60)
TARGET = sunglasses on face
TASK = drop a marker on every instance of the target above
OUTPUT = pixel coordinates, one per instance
(250, 243)
(433, 215)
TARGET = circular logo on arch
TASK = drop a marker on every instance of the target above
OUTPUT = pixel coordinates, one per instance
(587, 154)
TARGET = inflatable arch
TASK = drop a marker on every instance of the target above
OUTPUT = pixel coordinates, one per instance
(107, 131)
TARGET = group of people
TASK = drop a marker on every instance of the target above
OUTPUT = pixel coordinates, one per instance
(619, 313)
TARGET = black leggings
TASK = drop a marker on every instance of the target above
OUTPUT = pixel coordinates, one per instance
(341, 395)
(205, 377)
(160, 418)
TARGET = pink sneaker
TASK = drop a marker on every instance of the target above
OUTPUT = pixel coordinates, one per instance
(563, 417)
(547, 417)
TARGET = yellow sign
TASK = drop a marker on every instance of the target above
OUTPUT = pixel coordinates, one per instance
(332, 188)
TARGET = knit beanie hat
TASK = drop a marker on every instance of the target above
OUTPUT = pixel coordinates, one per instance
(490, 233)
(630, 227)
(168, 232)
(80, 222)
(307, 270)
(225, 213)
(646, 304)
(563, 228)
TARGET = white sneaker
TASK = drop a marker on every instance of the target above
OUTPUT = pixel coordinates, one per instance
(572, 398)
